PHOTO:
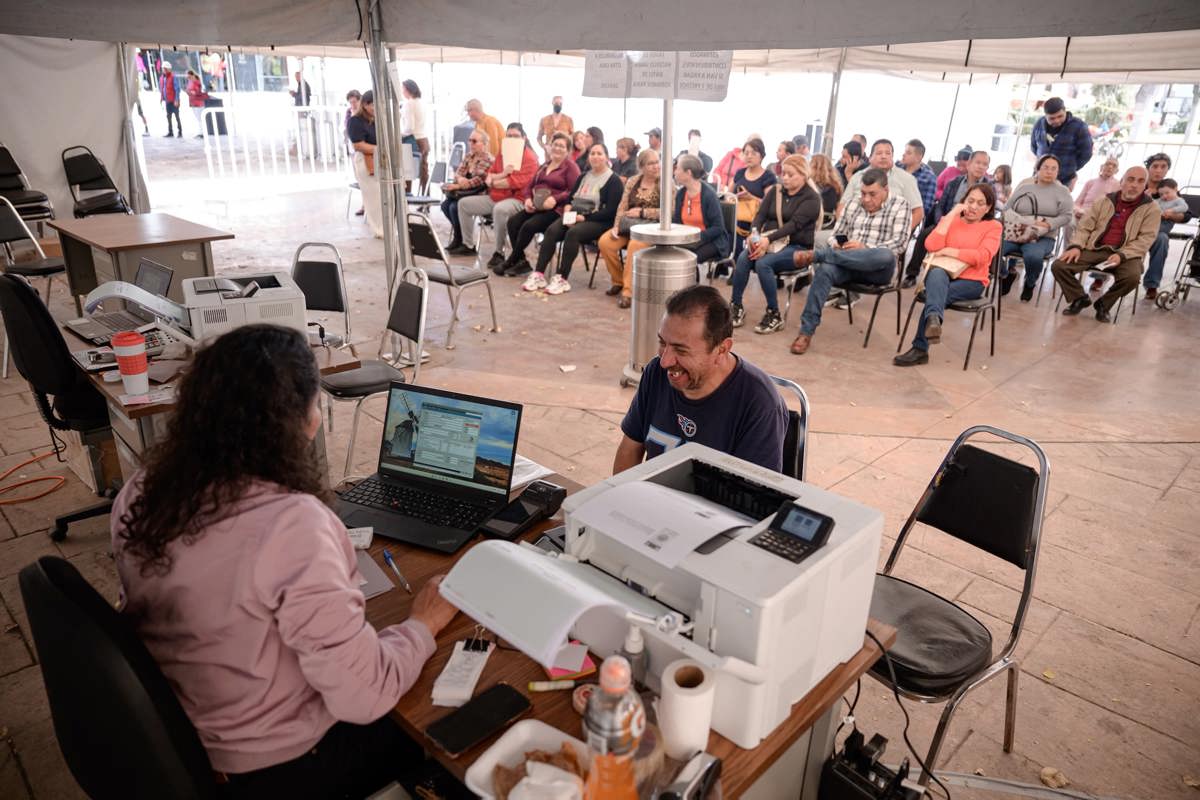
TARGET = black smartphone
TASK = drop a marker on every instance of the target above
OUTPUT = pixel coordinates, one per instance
(841, 238)
(510, 521)
(481, 716)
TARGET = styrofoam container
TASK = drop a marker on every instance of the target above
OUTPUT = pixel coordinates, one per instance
(510, 750)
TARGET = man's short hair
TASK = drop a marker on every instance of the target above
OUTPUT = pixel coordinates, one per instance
(1168, 183)
(853, 148)
(800, 140)
(984, 153)
(918, 145)
(354, 93)
(696, 300)
(1054, 105)
(694, 132)
(878, 142)
(875, 175)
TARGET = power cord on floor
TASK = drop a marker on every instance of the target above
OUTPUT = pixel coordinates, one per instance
(896, 691)
(6, 488)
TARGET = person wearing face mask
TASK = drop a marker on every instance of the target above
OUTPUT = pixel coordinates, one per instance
(1045, 205)
(554, 122)
(970, 234)
(698, 390)
(588, 213)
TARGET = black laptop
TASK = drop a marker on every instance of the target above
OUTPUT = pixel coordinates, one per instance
(445, 467)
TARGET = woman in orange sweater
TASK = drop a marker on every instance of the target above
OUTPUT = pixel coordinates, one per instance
(970, 233)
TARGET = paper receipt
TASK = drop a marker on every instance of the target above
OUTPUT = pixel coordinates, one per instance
(361, 537)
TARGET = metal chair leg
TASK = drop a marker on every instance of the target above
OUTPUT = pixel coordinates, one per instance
(898, 304)
(492, 302)
(871, 324)
(5, 369)
(939, 736)
(454, 298)
(1010, 707)
(971, 343)
(849, 306)
(907, 320)
(329, 411)
(353, 435)
(993, 348)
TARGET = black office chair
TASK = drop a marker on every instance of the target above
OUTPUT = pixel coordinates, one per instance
(942, 652)
(91, 185)
(32, 205)
(979, 308)
(324, 287)
(119, 725)
(13, 229)
(795, 440)
(729, 220)
(43, 360)
(456, 279)
(878, 292)
(374, 376)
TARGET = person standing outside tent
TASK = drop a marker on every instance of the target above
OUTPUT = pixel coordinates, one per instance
(361, 132)
(168, 91)
(196, 97)
(412, 127)
(1063, 136)
(556, 122)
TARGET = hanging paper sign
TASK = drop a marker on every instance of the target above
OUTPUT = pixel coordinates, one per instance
(606, 74)
(652, 74)
(703, 75)
(690, 75)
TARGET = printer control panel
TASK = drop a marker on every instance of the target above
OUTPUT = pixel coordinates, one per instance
(795, 533)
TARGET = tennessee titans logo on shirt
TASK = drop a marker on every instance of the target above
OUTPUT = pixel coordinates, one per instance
(686, 425)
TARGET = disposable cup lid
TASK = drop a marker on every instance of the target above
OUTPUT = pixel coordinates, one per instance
(127, 339)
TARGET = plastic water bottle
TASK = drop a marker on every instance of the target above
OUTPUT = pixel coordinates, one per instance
(755, 236)
(613, 723)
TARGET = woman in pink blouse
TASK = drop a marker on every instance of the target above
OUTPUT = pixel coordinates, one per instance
(242, 583)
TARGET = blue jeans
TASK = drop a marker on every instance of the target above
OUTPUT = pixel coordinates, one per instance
(765, 268)
(940, 290)
(1034, 254)
(1158, 259)
(450, 209)
(832, 267)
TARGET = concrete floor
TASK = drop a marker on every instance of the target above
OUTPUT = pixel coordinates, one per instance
(1110, 683)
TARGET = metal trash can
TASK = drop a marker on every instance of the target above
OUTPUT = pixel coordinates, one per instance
(658, 272)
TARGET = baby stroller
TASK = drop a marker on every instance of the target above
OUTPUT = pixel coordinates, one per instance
(1187, 273)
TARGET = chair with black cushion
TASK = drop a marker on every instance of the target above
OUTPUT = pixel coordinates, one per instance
(729, 220)
(879, 292)
(425, 244)
(437, 175)
(118, 723)
(942, 652)
(42, 358)
(32, 205)
(978, 307)
(13, 229)
(91, 185)
(795, 440)
(324, 285)
(375, 376)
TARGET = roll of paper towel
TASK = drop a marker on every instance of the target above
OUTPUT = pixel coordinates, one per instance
(685, 708)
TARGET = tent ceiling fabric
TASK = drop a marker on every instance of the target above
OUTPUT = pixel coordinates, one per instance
(627, 25)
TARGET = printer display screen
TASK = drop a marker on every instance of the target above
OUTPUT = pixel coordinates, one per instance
(801, 523)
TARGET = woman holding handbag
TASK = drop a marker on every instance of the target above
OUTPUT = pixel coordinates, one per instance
(960, 251)
(786, 221)
(639, 204)
(1036, 210)
(469, 179)
(750, 184)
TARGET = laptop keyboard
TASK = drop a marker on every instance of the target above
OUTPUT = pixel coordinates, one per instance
(119, 321)
(435, 509)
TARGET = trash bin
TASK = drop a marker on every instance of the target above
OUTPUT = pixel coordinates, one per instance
(658, 272)
(219, 117)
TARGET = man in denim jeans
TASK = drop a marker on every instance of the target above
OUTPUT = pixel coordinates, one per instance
(867, 241)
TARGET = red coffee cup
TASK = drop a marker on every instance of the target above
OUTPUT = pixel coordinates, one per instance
(130, 349)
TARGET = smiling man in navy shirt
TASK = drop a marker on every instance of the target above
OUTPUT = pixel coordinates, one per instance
(697, 390)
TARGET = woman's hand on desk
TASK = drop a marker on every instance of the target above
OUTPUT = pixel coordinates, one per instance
(431, 608)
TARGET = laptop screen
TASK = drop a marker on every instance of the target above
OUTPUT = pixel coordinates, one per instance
(449, 438)
(155, 279)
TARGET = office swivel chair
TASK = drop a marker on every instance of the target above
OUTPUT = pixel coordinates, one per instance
(119, 725)
(42, 358)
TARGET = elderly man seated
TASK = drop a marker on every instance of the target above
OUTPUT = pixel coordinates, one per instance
(867, 241)
(1113, 235)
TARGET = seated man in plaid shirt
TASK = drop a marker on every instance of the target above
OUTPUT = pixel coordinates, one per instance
(866, 242)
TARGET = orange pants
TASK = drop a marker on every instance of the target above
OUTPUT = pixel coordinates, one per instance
(621, 272)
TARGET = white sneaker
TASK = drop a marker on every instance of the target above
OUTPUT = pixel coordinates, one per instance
(558, 285)
(535, 281)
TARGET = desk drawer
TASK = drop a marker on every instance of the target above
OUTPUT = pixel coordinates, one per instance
(138, 434)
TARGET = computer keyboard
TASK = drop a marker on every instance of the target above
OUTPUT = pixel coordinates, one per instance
(118, 321)
(433, 508)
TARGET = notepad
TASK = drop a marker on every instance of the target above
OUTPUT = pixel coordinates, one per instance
(572, 663)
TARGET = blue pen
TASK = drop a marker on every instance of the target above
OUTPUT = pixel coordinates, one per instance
(403, 581)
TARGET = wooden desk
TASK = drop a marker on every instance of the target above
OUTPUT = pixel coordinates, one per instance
(107, 247)
(741, 768)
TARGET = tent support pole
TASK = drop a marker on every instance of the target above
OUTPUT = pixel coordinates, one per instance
(137, 198)
(392, 202)
(950, 124)
(1021, 122)
(666, 182)
(831, 115)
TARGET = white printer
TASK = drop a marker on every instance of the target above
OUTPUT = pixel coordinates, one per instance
(718, 560)
(218, 305)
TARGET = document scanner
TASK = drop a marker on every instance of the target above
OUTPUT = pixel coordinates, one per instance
(212, 306)
(694, 546)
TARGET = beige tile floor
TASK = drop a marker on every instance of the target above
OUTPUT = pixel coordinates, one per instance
(1116, 619)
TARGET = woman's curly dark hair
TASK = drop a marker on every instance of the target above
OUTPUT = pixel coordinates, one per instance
(239, 417)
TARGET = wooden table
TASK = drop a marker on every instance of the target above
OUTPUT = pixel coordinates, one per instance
(741, 768)
(108, 247)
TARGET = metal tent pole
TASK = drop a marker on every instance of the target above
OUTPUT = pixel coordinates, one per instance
(950, 124)
(1021, 123)
(387, 152)
(666, 181)
(137, 197)
(831, 115)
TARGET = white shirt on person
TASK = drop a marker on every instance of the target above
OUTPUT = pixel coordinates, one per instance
(412, 118)
(900, 182)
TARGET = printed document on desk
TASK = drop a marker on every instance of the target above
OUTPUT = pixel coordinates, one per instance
(532, 599)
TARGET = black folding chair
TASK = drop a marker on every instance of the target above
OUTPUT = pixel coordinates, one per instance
(32, 205)
(91, 185)
(942, 652)
(324, 285)
(729, 220)
(425, 244)
(979, 307)
(795, 440)
(13, 229)
(879, 292)
(120, 726)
